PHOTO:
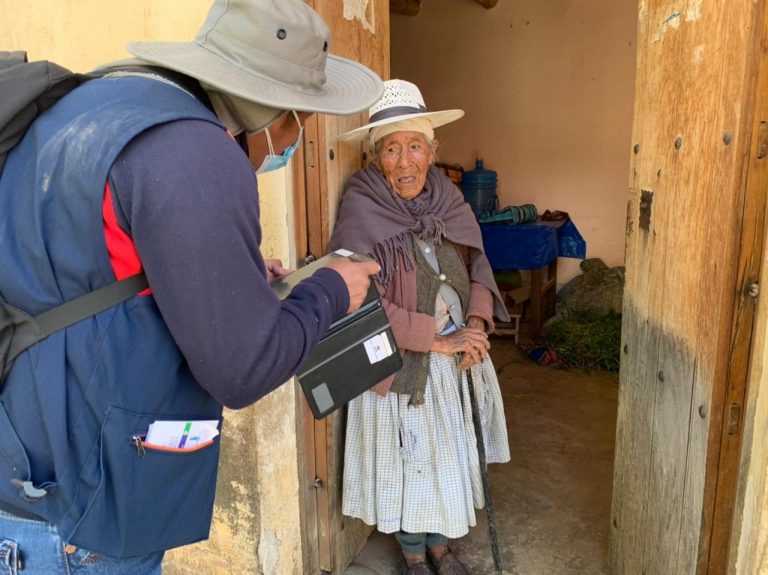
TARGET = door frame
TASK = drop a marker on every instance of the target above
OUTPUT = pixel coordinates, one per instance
(320, 169)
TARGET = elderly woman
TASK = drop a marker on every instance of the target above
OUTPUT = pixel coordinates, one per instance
(411, 457)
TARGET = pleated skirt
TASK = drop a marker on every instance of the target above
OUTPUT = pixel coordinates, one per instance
(417, 469)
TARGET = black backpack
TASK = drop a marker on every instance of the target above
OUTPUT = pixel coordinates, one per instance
(26, 90)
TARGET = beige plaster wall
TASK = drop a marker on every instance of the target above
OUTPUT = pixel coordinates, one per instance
(82, 34)
(256, 519)
(548, 88)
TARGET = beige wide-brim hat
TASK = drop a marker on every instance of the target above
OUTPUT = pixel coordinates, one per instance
(401, 100)
(273, 52)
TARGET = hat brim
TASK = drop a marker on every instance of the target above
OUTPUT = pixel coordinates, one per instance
(350, 87)
(437, 119)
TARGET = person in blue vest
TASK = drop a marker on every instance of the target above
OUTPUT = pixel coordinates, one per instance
(152, 166)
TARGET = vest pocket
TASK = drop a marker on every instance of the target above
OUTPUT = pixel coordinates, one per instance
(19, 496)
(147, 500)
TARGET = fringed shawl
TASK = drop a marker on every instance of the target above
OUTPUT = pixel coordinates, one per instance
(375, 221)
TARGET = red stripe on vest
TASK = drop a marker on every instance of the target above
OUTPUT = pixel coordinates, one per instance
(123, 256)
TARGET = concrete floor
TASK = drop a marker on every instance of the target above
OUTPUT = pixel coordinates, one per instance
(552, 500)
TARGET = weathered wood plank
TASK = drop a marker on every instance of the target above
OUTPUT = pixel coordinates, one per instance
(361, 33)
(751, 526)
(646, 261)
(685, 185)
(670, 453)
(747, 272)
(685, 224)
(632, 465)
(308, 493)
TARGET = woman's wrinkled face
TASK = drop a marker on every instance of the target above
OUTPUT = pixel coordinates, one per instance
(404, 158)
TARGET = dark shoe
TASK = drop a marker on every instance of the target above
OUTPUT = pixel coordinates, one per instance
(415, 569)
(448, 565)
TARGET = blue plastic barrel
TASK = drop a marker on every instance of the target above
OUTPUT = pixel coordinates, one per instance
(479, 189)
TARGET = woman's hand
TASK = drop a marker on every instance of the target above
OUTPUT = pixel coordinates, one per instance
(476, 322)
(472, 343)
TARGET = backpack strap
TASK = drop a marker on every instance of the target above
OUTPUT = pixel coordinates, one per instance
(90, 304)
(20, 331)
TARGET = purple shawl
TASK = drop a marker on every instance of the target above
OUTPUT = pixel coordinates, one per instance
(375, 221)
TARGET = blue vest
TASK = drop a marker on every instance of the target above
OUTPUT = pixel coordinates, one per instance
(73, 404)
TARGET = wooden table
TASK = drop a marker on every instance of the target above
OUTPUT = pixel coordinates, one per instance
(534, 247)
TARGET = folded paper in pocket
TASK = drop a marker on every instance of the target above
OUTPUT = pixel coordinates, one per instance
(181, 434)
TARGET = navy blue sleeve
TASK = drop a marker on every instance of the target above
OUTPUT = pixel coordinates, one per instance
(187, 195)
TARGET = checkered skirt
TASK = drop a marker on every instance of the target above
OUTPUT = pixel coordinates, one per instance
(417, 469)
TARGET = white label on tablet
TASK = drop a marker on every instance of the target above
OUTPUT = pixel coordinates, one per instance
(345, 253)
(378, 347)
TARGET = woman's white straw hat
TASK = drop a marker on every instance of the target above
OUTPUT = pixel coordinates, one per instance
(273, 52)
(401, 100)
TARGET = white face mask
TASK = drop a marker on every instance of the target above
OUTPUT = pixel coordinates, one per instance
(273, 161)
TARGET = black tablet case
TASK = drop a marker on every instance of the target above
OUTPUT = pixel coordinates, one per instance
(356, 352)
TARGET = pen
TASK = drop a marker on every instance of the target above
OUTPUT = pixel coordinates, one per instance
(184, 435)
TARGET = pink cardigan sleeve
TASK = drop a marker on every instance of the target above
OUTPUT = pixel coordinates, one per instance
(413, 331)
(481, 303)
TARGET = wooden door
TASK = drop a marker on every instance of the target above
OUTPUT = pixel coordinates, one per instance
(360, 32)
(694, 244)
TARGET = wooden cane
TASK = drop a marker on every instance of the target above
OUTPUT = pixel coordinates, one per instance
(484, 473)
